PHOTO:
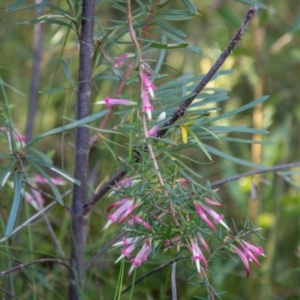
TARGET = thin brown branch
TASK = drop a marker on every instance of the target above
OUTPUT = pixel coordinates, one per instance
(87, 207)
(180, 111)
(182, 107)
(37, 261)
(86, 51)
(8, 294)
(161, 267)
(251, 173)
(127, 72)
(104, 248)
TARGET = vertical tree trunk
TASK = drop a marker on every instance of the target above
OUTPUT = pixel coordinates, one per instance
(36, 74)
(82, 149)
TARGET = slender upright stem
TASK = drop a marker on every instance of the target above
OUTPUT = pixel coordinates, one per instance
(36, 74)
(180, 110)
(81, 148)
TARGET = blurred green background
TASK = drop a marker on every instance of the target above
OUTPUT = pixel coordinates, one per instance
(266, 62)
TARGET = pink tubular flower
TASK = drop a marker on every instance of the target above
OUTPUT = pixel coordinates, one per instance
(129, 244)
(119, 60)
(217, 218)
(128, 241)
(257, 251)
(156, 127)
(203, 242)
(243, 257)
(111, 102)
(40, 179)
(168, 244)
(18, 137)
(197, 255)
(146, 105)
(126, 207)
(35, 199)
(247, 252)
(141, 256)
(202, 210)
(148, 85)
(136, 219)
(212, 202)
(203, 216)
(124, 183)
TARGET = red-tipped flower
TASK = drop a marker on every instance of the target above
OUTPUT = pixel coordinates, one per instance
(156, 127)
(141, 256)
(247, 252)
(197, 255)
(126, 207)
(146, 105)
(148, 85)
(109, 102)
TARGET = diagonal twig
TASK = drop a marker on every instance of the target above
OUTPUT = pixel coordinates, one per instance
(180, 111)
(251, 173)
(37, 261)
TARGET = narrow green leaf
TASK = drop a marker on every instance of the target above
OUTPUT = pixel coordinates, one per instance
(25, 7)
(68, 126)
(233, 159)
(7, 173)
(177, 40)
(41, 155)
(169, 28)
(113, 154)
(195, 49)
(67, 73)
(43, 4)
(10, 133)
(173, 158)
(15, 5)
(50, 21)
(175, 15)
(258, 4)
(169, 46)
(64, 174)
(238, 110)
(192, 9)
(190, 179)
(47, 163)
(55, 7)
(202, 147)
(15, 205)
(214, 136)
(57, 194)
(165, 141)
(54, 90)
(163, 3)
(243, 129)
(243, 141)
(99, 129)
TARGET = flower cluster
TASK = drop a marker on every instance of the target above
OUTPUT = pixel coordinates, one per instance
(34, 197)
(124, 212)
(247, 252)
(120, 60)
(194, 242)
(148, 89)
(17, 136)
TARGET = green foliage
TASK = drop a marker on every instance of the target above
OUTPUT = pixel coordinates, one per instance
(181, 45)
